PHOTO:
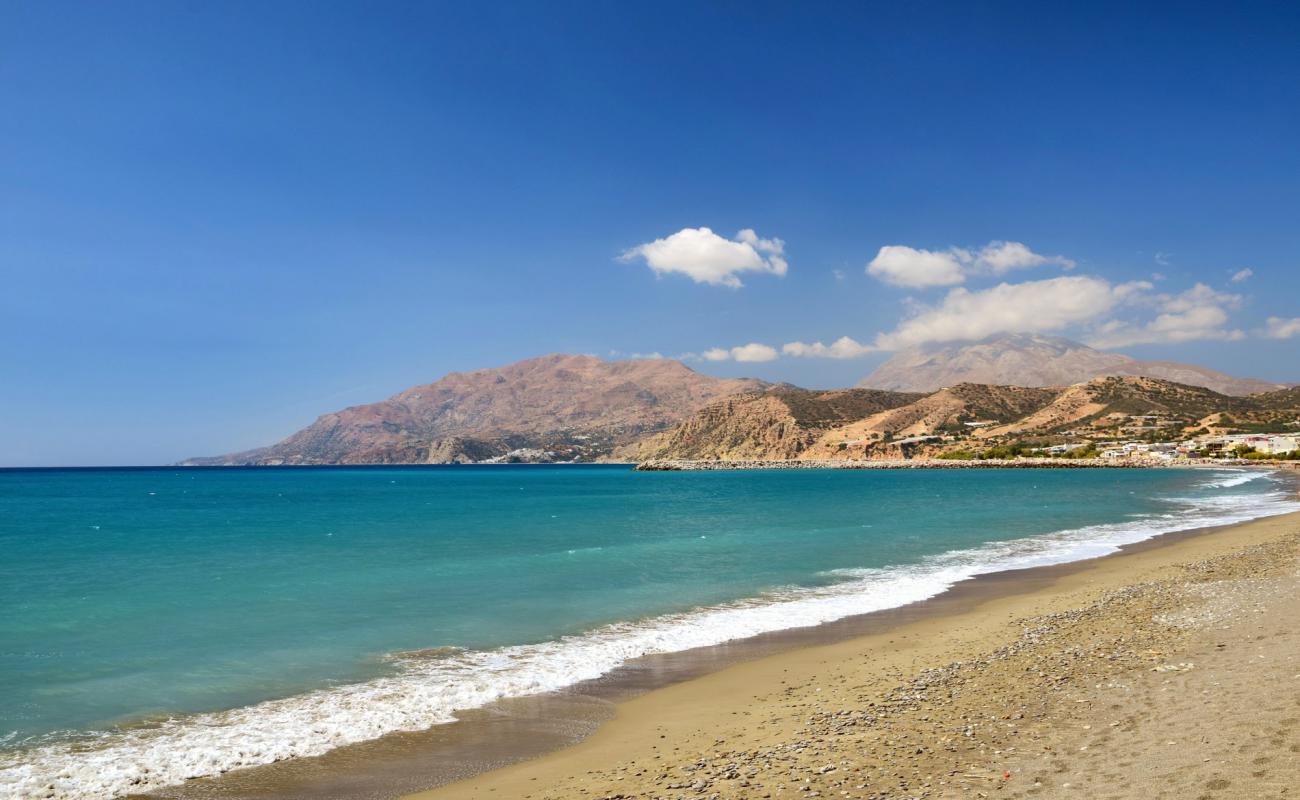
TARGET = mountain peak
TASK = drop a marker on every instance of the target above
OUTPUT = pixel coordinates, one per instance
(1035, 360)
(562, 405)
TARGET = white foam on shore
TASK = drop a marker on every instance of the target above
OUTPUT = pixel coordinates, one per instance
(429, 688)
(1238, 477)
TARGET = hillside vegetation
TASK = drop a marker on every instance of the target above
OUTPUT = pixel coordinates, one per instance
(763, 426)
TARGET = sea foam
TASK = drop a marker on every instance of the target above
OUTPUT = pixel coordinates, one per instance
(1237, 479)
(430, 686)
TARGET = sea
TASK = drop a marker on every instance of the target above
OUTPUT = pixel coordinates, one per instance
(163, 624)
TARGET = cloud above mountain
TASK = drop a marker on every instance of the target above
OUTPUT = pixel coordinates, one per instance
(752, 352)
(1102, 312)
(1042, 306)
(913, 268)
(706, 257)
(1085, 303)
(1198, 314)
(1280, 328)
(843, 347)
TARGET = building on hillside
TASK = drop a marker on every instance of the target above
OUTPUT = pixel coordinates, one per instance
(917, 440)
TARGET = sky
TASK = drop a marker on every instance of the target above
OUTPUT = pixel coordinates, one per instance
(220, 220)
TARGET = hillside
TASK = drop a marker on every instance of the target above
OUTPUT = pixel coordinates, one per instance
(556, 407)
(946, 410)
(763, 426)
(1280, 399)
(786, 423)
(966, 402)
(1102, 402)
(1028, 360)
(780, 423)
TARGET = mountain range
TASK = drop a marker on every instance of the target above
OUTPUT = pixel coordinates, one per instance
(582, 408)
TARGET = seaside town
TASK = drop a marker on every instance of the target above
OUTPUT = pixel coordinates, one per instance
(1154, 438)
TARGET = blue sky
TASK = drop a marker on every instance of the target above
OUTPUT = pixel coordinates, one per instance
(220, 220)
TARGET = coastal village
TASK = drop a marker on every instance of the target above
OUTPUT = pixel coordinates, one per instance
(1153, 434)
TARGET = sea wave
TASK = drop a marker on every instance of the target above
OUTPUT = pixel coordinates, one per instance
(430, 686)
(1237, 478)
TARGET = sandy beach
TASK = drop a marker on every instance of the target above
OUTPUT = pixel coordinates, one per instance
(1168, 670)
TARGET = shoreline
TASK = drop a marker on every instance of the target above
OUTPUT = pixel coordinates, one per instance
(687, 465)
(687, 723)
(542, 727)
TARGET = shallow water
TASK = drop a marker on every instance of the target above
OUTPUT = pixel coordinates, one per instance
(160, 624)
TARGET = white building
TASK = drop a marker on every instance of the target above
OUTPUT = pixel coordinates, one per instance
(1284, 443)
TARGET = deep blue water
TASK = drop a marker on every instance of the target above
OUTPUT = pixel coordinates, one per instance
(146, 595)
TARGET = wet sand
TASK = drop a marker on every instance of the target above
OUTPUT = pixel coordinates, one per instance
(1169, 670)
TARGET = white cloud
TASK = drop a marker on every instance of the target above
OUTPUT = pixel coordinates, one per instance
(899, 265)
(621, 354)
(843, 347)
(754, 352)
(706, 257)
(1002, 257)
(1200, 313)
(914, 268)
(1199, 296)
(1279, 328)
(1242, 275)
(751, 352)
(1163, 258)
(1029, 307)
(1078, 302)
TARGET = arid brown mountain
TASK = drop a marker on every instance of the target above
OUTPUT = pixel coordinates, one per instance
(779, 423)
(965, 402)
(785, 423)
(1093, 403)
(557, 407)
(945, 410)
(895, 425)
(1026, 360)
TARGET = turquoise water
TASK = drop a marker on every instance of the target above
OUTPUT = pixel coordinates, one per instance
(254, 614)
